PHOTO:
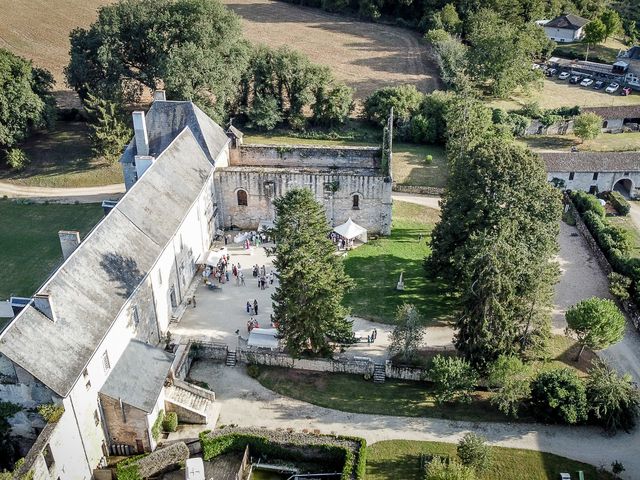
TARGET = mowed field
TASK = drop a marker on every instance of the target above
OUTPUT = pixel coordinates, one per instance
(366, 56)
(39, 30)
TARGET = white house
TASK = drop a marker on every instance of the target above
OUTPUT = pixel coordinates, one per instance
(628, 64)
(91, 334)
(595, 171)
(565, 28)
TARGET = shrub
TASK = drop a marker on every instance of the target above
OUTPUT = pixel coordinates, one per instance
(619, 285)
(586, 202)
(170, 422)
(157, 425)
(51, 412)
(128, 468)
(17, 159)
(559, 396)
(253, 370)
(474, 452)
(441, 469)
(614, 400)
(428, 159)
(453, 378)
(619, 203)
(405, 100)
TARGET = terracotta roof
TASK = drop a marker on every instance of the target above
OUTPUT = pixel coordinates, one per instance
(591, 161)
(621, 112)
(567, 21)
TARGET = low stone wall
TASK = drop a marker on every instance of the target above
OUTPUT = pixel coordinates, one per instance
(358, 365)
(417, 189)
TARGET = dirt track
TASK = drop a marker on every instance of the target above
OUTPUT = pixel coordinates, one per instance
(365, 55)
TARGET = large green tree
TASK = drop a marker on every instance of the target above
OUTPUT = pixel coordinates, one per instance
(597, 323)
(594, 32)
(194, 49)
(407, 334)
(26, 103)
(501, 52)
(307, 303)
(559, 396)
(109, 131)
(495, 242)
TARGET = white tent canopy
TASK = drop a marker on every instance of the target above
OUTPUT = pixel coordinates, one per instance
(351, 230)
(211, 257)
(263, 338)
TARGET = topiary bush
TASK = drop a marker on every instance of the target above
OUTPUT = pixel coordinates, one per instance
(618, 202)
(585, 202)
(619, 286)
(157, 425)
(170, 422)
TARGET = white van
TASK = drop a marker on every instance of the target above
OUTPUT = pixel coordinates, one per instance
(194, 469)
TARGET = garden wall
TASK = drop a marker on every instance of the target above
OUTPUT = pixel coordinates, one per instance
(419, 190)
(357, 366)
(299, 156)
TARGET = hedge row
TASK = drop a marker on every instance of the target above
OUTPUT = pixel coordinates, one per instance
(353, 464)
(585, 202)
(618, 202)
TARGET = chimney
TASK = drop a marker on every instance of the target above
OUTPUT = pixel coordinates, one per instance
(42, 303)
(159, 96)
(142, 163)
(140, 130)
(69, 241)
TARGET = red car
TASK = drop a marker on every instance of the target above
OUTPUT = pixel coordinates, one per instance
(626, 91)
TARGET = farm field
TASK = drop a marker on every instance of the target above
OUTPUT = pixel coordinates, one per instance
(39, 30)
(556, 93)
(63, 158)
(29, 244)
(366, 56)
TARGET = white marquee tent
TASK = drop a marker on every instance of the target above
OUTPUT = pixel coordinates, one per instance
(351, 230)
(263, 338)
(211, 257)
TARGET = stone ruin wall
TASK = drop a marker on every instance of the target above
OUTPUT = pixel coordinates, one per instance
(263, 185)
(300, 156)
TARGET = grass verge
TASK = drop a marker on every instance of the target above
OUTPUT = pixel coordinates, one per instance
(29, 244)
(376, 268)
(394, 459)
(63, 158)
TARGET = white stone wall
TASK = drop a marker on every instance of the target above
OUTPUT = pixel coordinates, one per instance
(263, 185)
(563, 35)
(605, 181)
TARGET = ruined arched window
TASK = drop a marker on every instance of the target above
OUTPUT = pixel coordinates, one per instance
(356, 202)
(242, 197)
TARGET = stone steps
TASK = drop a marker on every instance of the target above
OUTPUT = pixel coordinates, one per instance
(231, 359)
(378, 373)
(187, 399)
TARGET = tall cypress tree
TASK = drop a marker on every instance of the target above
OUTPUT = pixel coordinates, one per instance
(307, 303)
(494, 246)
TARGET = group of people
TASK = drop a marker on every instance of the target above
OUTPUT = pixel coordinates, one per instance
(341, 242)
(252, 309)
(261, 274)
(371, 338)
(254, 239)
(220, 271)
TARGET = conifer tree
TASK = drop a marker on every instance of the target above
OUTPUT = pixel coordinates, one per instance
(307, 303)
(108, 131)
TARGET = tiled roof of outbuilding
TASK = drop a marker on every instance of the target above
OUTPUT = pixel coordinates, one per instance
(591, 161)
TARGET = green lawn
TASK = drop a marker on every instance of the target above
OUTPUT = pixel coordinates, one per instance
(606, 52)
(408, 167)
(376, 268)
(400, 459)
(29, 245)
(627, 225)
(352, 393)
(63, 158)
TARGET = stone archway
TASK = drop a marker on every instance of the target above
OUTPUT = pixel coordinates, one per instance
(625, 187)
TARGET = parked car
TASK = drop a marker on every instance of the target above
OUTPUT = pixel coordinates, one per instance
(625, 91)
(564, 76)
(551, 72)
(575, 79)
(612, 88)
(587, 82)
(599, 85)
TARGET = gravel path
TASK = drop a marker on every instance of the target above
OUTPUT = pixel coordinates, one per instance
(247, 403)
(63, 195)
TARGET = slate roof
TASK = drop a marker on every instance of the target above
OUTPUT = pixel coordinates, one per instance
(568, 22)
(166, 119)
(633, 53)
(620, 112)
(591, 161)
(138, 377)
(92, 286)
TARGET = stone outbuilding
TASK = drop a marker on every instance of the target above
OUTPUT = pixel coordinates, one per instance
(615, 119)
(595, 171)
